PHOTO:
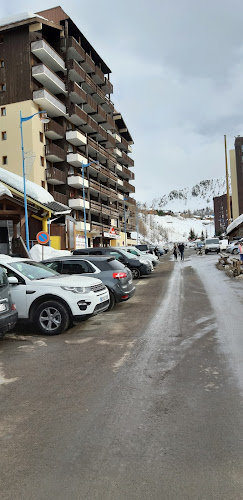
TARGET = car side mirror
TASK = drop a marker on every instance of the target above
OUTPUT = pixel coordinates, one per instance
(13, 280)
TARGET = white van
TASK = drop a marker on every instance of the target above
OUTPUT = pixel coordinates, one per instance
(212, 245)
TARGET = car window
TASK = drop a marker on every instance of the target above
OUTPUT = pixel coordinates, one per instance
(3, 277)
(110, 264)
(33, 270)
(81, 267)
(117, 255)
(53, 265)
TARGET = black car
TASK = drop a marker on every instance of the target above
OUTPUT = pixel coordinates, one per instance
(136, 267)
(8, 313)
(112, 273)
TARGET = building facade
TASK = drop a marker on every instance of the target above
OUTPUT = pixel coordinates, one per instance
(221, 219)
(46, 63)
(236, 167)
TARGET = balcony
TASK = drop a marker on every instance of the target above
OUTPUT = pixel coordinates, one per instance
(96, 228)
(110, 142)
(105, 209)
(98, 76)
(126, 160)
(101, 135)
(76, 94)
(118, 153)
(77, 115)
(48, 79)
(131, 201)
(107, 87)
(74, 50)
(59, 197)
(90, 127)
(90, 105)
(76, 138)
(117, 138)
(77, 203)
(76, 159)
(54, 131)
(80, 225)
(54, 153)
(89, 86)
(76, 73)
(100, 115)
(55, 176)
(76, 181)
(48, 55)
(88, 64)
(125, 172)
(108, 123)
(94, 185)
(48, 102)
(128, 187)
(95, 206)
(124, 146)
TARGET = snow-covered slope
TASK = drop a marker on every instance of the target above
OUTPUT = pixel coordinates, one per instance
(198, 197)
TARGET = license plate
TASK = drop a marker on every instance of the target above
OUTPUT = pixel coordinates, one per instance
(3, 307)
(104, 298)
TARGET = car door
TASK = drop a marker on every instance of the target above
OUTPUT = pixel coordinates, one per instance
(18, 293)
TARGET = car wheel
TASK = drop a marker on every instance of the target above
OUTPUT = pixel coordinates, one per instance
(112, 300)
(235, 251)
(51, 318)
(135, 273)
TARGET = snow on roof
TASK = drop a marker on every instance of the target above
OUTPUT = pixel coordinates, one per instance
(34, 191)
(235, 223)
(4, 190)
(19, 17)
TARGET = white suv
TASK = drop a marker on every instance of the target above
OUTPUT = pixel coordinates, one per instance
(212, 245)
(50, 300)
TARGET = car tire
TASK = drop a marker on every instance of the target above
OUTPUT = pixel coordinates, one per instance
(112, 301)
(235, 251)
(51, 318)
(135, 273)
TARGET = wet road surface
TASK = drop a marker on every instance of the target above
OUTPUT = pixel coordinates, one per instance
(143, 402)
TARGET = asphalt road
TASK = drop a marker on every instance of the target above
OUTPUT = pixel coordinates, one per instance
(143, 402)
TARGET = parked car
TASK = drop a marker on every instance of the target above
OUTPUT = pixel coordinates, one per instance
(212, 245)
(143, 247)
(136, 266)
(223, 244)
(135, 251)
(51, 301)
(233, 247)
(115, 276)
(8, 313)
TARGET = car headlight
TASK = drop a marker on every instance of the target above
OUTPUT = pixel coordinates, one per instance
(77, 289)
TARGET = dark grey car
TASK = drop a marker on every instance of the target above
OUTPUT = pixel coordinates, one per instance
(116, 277)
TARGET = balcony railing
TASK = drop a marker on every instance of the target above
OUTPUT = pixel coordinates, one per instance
(54, 131)
(127, 160)
(88, 64)
(77, 95)
(59, 197)
(95, 206)
(55, 176)
(98, 76)
(75, 51)
(90, 105)
(128, 186)
(107, 87)
(76, 73)
(54, 153)
(77, 115)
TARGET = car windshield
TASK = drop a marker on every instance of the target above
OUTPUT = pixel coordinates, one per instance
(134, 252)
(214, 241)
(33, 270)
(3, 277)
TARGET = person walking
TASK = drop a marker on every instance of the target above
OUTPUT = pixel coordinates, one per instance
(241, 251)
(175, 252)
(181, 248)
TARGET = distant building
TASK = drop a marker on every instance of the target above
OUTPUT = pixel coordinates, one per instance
(221, 213)
(236, 166)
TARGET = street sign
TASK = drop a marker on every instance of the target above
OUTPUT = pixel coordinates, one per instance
(42, 237)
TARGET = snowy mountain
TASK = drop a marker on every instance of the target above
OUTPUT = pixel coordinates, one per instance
(198, 197)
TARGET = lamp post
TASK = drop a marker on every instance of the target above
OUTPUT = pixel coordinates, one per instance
(83, 167)
(44, 119)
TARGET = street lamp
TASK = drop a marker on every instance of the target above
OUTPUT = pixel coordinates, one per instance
(44, 119)
(83, 167)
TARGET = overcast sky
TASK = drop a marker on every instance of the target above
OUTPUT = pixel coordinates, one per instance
(177, 71)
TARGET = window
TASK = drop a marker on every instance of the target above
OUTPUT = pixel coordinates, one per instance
(76, 267)
(4, 160)
(3, 87)
(43, 184)
(42, 161)
(4, 136)
(2, 63)
(41, 137)
(3, 111)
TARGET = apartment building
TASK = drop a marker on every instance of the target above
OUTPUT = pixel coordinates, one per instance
(46, 63)
(236, 167)
(221, 219)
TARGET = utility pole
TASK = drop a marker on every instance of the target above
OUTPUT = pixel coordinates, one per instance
(227, 183)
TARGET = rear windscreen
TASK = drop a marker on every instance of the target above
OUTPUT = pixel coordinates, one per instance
(106, 265)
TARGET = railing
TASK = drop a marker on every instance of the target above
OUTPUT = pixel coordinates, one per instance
(127, 159)
(53, 126)
(124, 142)
(72, 43)
(91, 102)
(74, 109)
(59, 197)
(101, 113)
(75, 88)
(95, 206)
(108, 86)
(73, 65)
(55, 173)
(99, 73)
(90, 63)
(128, 186)
(128, 172)
(94, 184)
(54, 150)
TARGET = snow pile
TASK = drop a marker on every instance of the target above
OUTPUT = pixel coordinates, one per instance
(49, 252)
(34, 191)
(4, 190)
(235, 223)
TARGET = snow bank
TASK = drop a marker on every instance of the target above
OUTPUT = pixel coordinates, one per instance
(4, 190)
(36, 192)
(235, 223)
(49, 252)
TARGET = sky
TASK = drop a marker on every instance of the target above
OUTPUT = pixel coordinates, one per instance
(177, 71)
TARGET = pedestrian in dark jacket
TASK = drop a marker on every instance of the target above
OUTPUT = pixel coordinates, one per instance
(181, 248)
(175, 252)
